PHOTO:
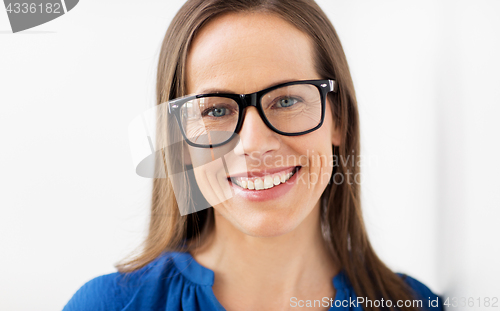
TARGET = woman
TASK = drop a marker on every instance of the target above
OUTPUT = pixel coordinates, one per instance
(284, 227)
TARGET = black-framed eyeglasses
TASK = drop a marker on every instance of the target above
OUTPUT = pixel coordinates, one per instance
(290, 109)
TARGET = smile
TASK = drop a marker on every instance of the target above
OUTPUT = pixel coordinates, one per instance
(266, 181)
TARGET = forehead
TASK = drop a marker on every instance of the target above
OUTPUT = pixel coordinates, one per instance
(246, 52)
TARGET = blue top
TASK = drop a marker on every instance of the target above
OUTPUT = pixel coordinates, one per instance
(175, 281)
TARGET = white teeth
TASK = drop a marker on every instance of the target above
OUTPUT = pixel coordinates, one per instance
(283, 177)
(268, 182)
(259, 183)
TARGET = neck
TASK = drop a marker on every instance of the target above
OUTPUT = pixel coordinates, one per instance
(294, 264)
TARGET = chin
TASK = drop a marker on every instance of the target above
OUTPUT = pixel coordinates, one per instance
(264, 223)
(267, 230)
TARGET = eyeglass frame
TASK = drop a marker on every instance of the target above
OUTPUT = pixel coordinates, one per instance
(243, 101)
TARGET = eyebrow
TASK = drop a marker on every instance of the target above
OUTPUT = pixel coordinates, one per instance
(212, 90)
(215, 90)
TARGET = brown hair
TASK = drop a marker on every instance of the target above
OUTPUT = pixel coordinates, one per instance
(345, 231)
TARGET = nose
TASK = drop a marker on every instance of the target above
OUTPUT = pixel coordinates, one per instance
(256, 139)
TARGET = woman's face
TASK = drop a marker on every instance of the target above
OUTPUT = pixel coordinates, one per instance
(243, 53)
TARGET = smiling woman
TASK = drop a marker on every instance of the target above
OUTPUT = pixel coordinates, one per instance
(265, 86)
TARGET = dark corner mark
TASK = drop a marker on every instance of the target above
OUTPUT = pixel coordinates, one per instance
(28, 14)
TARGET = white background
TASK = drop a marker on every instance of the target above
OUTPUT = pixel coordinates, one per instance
(427, 77)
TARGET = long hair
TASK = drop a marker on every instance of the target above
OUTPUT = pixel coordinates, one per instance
(341, 217)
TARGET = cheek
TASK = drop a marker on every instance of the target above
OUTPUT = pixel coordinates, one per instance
(320, 169)
(211, 168)
(318, 141)
(212, 181)
(316, 147)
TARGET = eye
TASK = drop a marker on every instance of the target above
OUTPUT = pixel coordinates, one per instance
(286, 102)
(217, 112)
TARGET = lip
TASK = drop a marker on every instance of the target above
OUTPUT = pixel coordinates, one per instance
(263, 173)
(266, 194)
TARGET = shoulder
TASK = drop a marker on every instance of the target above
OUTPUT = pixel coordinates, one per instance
(114, 291)
(99, 293)
(430, 300)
